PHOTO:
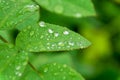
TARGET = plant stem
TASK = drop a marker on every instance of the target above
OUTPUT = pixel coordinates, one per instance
(34, 69)
(4, 40)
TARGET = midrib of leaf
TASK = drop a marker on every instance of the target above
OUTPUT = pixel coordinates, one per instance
(8, 62)
(34, 69)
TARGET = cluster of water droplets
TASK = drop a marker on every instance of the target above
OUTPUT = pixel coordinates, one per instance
(58, 70)
(49, 38)
(55, 34)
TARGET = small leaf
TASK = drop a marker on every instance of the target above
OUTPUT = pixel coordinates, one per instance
(12, 62)
(49, 37)
(59, 72)
(77, 8)
(17, 13)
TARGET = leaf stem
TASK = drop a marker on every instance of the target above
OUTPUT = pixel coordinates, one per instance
(34, 69)
(4, 40)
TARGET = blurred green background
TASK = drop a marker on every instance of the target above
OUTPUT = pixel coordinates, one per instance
(100, 61)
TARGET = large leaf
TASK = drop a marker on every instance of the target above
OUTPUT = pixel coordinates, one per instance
(12, 62)
(49, 37)
(55, 71)
(73, 8)
(16, 12)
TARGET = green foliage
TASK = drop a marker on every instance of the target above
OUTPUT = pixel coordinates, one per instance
(77, 8)
(49, 37)
(15, 13)
(21, 35)
(13, 62)
(55, 71)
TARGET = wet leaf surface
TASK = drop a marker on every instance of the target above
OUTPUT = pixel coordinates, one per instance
(17, 13)
(12, 62)
(49, 37)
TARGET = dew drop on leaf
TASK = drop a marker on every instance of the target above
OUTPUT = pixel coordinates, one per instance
(64, 77)
(55, 74)
(54, 64)
(18, 67)
(71, 43)
(31, 8)
(64, 65)
(65, 32)
(61, 44)
(56, 34)
(46, 70)
(42, 24)
(50, 30)
(31, 33)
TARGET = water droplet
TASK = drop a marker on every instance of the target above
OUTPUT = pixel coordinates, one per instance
(64, 77)
(20, 74)
(54, 64)
(48, 39)
(71, 43)
(78, 15)
(42, 24)
(65, 32)
(56, 34)
(48, 47)
(18, 67)
(61, 44)
(58, 9)
(50, 30)
(31, 33)
(56, 74)
(53, 45)
(48, 43)
(46, 70)
(31, 7)
(64, 65)
(41, 36)
(8, 56)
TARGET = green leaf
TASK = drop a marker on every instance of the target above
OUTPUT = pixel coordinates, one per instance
(17, 13)
(30, 74)
(72, 8)
(12, 62)
(49, 37)
(59, 72)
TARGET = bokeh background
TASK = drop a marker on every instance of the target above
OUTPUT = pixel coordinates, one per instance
(100, 61)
